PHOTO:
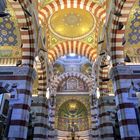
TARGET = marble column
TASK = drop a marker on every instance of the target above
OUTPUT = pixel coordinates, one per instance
(126, 81)
(20, 101)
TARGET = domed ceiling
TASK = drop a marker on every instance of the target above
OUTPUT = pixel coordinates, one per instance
(72, 23)
(73, 108)
(44, 2)
(73, 115)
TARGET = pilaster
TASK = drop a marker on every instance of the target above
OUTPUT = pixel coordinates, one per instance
(21, 78)
(126, 81)
(105, 105)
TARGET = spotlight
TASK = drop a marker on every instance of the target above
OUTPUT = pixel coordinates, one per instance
(25, 28)
(40, 78)
(102, 66)
(14, 85)
(127, 59)
(102, 53)
(26, 12)
(100, 42)
(105, 79)
(3, 14)
(120, 25)
(118, 14)
(3, 90)
(123, 41)
(19, 62)
(42, 49)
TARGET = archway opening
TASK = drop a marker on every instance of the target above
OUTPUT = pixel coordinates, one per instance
(72, 116)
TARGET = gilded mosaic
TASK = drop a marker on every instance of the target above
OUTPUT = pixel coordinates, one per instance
(73, 115)
(8, 35)
(72, 23)
(134, 36)
(132, 33)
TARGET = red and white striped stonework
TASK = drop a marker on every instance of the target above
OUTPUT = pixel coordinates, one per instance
(20, 102)
(105, 125)
(117, 36)
(103, 74)
(88, 5)
(105, 104)
(41, 105)
(76, 47)
(94, 134)
(103, 84)
(26, 30)
(122, 77)
(42, 79)
(51, 132)
(55, 83)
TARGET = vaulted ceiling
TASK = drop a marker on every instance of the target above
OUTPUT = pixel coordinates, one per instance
(72, 26)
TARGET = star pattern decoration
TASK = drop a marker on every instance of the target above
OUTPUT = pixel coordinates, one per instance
(8, 35)
(72, 19)
(134, 36)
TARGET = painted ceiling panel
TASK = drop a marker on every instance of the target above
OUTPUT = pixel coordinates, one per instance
(132, 33)
(72, 23)
(8, 35)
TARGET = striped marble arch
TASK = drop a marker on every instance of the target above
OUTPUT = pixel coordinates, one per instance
(42, 79)
(123, 7)
(76, 47)
(104, 74)
(55, 83)
(26, 30)
(117, 35)
(88, 5)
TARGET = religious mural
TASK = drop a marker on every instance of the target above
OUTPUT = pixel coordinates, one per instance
(72, 116)
(72, 84)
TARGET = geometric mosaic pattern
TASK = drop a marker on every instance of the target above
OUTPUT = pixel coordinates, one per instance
(8, 35)
(134, 36)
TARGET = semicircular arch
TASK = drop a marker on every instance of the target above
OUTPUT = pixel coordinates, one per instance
(123, 8)
(76, 47)
(89, 82)
(26, 30)
(88, 5)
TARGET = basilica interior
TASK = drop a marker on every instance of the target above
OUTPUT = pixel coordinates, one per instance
(69, 69)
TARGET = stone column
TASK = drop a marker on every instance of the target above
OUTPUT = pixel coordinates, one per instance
(124, 80)
(20, 101)
(105, 125)
(94, 118)
(105, 105)
(52, 133)
(40, 107)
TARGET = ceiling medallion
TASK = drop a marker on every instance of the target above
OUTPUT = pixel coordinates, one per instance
(72, 19)
(72, 23)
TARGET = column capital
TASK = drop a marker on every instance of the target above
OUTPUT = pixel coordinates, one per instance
(17, 71)
(126, 72)
(119, 70)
